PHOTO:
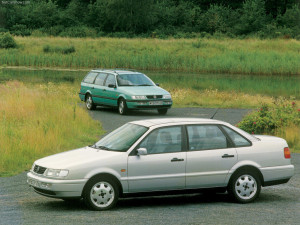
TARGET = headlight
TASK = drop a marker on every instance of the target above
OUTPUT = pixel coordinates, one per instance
(167, 96)
(139, 97)
(56, 173)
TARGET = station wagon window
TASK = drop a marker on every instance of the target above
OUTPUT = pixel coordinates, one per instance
(237, 139)
(90, 77)
(163, 140)
(205, 137)
(110, 80)
(100, 79)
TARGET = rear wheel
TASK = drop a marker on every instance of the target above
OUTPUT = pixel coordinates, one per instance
(122, 107)
(101, 193)
(89, 102)
(245, 186)
(162, 111)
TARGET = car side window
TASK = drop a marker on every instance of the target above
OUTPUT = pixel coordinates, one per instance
(163, 140)
(90, 77)
(205, 137)
(100, 79)
(237, 139)
(110, 80)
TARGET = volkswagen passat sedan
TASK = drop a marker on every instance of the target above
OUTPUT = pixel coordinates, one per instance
(124, 90)
(162, 155)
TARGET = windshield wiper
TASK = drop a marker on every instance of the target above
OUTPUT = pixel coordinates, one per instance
(145, 85)
(103, 147)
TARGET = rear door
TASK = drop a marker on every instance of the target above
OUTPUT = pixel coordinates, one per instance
(110, 93)
(163, 168)
(210, 156)
(98, 92)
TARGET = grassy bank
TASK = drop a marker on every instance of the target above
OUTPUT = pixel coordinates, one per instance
(37, 120)
(250, 56)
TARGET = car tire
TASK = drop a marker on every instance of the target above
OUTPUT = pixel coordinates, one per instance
(89, 102)
(162, 111)
(101, 193)
(244, 186)
(122, 107)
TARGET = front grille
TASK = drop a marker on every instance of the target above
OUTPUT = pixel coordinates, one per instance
(154, 96)
(39, 169)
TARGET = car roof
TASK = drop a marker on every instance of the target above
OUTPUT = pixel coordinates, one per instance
(182, 121)
(169, 121)
(116, 71)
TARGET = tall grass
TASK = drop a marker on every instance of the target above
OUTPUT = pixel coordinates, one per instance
(37, 120)
(250, 56)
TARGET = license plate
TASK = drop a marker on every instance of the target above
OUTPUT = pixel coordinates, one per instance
(156, 103)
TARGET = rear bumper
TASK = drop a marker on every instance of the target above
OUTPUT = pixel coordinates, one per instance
(277, 175)
(81, 96)
(55, 188)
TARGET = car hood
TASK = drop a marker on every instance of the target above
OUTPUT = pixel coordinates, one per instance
(143, 90)
(69, 159)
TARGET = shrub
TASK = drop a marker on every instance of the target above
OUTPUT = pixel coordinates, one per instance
(268, 119)
(63, 50)
(20, 30)
(7, 41)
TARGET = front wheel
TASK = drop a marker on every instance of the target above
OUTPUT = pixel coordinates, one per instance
(101, 194)
(122, 107)
(244, 186)
(162, 111)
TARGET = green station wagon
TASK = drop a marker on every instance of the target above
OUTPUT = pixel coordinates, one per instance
(123, 89)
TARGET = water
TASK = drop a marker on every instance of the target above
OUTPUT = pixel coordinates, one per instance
(253, 84)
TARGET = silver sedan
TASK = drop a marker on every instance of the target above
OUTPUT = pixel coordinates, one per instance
(163, 155)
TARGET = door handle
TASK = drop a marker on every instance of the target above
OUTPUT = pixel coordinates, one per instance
(92, 87)
(176, 160)
(227, 156)
(104, 89)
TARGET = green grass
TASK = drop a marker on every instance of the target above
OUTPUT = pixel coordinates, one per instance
(250, 56)
(37, 120)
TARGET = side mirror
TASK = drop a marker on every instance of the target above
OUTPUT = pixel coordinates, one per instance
(157, 84)
(112, 86)
(142, 151)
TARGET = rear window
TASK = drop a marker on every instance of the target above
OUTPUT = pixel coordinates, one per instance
(90, 77)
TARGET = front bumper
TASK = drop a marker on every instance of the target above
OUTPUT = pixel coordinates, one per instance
(55, 188)
(149, 104)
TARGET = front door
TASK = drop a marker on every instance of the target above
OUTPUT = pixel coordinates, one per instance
(163, 168)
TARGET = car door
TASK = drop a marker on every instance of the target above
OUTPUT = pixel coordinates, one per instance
(163, 168)
(110, 92)
(98, 91)
(210, 156)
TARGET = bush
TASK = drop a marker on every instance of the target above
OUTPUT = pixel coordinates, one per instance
(63, 50)
(7, 41)
(79, 32)
(20, 30)
(268, 119)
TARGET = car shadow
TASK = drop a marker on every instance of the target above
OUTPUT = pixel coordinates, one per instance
(130, 112)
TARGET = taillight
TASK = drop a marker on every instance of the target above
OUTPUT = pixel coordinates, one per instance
(287, 153)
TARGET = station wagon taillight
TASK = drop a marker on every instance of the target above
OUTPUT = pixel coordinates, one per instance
(287, 153)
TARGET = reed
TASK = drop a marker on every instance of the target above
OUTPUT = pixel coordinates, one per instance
(249, 56)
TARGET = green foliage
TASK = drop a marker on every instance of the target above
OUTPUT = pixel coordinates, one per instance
(7, 41)
(62, 50)
(149, 18)
(270, 118)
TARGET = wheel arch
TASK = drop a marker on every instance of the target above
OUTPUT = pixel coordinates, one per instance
(86, 94)
(247, 168)
(106, 175)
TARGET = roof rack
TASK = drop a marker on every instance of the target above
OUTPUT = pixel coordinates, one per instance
(133, 70)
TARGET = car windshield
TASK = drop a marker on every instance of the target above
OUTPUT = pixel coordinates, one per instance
(138, 79)
(122, 138)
